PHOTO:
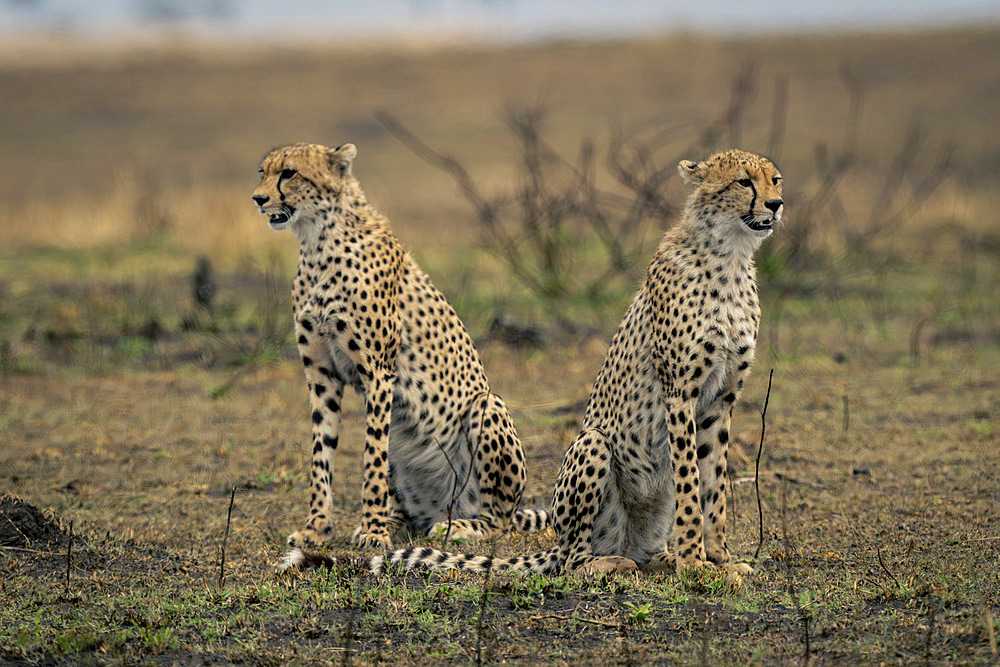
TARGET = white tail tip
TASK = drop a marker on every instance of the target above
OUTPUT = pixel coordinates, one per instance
(292, 559)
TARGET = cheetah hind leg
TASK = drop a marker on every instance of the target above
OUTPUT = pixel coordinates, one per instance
(461, 530)
(524, 521)
(581, 487)
(498, 461)
(531, 520)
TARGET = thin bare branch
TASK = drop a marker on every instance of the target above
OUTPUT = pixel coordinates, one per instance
(779, 113)
(760, 448)
(856, 92)
(878, 552)
(225, 538)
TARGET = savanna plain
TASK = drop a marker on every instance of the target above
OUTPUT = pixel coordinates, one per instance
(154, 427)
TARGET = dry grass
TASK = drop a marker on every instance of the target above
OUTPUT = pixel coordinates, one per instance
(129, 411)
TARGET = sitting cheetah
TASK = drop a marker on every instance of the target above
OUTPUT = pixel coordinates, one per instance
(644, 483)
(368, 317)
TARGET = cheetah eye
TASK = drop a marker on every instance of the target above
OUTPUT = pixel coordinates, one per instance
(287, 173)
(776, 180)
(745, 182)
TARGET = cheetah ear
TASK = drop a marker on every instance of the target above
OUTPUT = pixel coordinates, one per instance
(692, 173)
(341, 158)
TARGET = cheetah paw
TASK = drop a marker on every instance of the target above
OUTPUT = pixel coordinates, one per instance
(306, 539)
(695, 564)
(740, 568)
(725, 561)
(372, 539)
(458, 532)
(608, 565)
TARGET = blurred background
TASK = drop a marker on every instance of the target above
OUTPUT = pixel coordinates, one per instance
(133, 127)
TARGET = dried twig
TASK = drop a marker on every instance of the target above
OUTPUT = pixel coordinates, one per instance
(225, 538)
(806, 616)
(27, 540)
(779, 112)
(482, 613)
(990, 633)
(856, 91)
(69, 556)
(456, 492)
(559, 617)
(744, 89)
(915, 339)
(38, 552)
(348, 634)
(777, 475)
(932, 612)
(703, 649)
(882, 219)
(878, 552)
(536, 227)
(756, 479)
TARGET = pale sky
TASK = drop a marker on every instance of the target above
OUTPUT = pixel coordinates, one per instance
(498, 19)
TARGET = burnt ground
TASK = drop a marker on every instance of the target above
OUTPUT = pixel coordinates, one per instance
(879, 540)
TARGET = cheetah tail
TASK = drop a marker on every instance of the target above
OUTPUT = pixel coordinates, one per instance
(297, 558)
(530, 521)
(543, 562)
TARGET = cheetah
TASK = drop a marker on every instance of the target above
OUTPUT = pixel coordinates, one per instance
(643, 485)
(440, 444)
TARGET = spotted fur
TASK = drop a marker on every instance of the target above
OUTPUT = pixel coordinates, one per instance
(644, 483)
(437, 438)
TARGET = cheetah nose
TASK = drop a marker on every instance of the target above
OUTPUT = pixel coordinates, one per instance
(260, 199)
(774, 204)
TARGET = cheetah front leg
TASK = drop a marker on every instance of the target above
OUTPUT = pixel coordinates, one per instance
(326, 391)
(376, 522)
(498, 462)
(688, 533)
(713, 447)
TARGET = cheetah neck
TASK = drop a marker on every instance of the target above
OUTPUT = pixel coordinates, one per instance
(720, 242)
(346, 212)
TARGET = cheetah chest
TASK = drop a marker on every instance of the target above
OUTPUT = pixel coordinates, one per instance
(729, 347)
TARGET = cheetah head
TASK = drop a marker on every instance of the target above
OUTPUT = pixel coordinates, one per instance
(739, 187)
(296, 181)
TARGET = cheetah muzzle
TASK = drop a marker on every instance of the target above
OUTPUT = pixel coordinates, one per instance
(763, 225)
(281, 217)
